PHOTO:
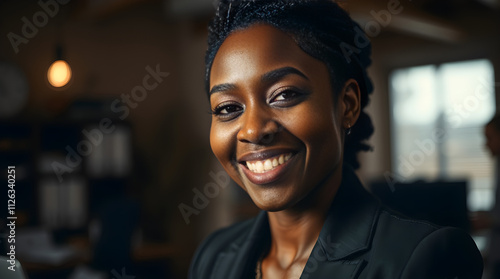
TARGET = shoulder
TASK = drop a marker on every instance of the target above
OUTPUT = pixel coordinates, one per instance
(395, 225)
(419, 249)
(447, 252)
(215, 244)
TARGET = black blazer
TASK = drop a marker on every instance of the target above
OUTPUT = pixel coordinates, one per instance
(360, 239)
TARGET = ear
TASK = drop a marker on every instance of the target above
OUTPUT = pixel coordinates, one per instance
(350, 101)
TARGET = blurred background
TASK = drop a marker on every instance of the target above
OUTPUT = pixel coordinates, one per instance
(114, 172)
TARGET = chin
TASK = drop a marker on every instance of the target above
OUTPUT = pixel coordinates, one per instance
(271, 207)
(273, 203)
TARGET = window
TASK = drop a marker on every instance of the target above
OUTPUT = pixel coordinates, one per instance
(438, 114)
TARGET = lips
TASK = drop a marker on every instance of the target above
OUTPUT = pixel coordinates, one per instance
(266, 166)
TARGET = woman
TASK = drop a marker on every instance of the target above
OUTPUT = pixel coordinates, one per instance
(287, 85)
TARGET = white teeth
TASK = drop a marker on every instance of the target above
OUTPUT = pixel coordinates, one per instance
(259, 167)
(269, 164)
(281, 160)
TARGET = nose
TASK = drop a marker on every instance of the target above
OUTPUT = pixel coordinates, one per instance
(258, 127)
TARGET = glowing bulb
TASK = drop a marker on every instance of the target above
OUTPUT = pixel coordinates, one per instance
(59, 73)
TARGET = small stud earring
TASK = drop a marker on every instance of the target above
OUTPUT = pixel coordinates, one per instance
(348, 131)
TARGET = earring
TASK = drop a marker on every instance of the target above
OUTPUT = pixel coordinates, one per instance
(348, 131)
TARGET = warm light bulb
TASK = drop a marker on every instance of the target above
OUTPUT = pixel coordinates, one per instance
(59, 73)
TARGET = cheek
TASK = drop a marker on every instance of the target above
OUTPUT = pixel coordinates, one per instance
(318, 130)
(219, 141)
(223, 143)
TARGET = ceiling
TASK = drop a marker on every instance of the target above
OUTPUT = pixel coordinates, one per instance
(443, 20)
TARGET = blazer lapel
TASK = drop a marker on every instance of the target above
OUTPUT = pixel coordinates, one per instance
(240, 259)
(346, 234)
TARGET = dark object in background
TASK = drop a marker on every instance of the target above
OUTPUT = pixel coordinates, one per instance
(442, 202)
(113, 250)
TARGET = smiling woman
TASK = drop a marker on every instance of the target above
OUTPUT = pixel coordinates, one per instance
(285, 96)
(273, 102)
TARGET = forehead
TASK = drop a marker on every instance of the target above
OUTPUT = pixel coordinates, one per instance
(258, 49)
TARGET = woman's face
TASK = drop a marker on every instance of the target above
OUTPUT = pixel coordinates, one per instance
(276, 128)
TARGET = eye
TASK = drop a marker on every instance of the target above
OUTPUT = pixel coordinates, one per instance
(287, 97)
(227, 111)
(283, 96)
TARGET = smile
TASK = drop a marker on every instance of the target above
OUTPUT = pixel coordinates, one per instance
(269, 164)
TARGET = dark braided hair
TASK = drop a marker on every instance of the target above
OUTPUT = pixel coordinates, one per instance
(321, 29)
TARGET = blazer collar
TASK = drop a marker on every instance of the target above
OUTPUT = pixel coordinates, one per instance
(351, 219)
(242, 258)
(348, 229)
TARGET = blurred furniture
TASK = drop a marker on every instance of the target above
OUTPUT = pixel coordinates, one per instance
(59, 182)
(37, 245)
(11, 269)
(148, 258)
(442, 202)
(118, 220)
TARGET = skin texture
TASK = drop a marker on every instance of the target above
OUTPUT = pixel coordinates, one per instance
(292, 110)
(492, 136)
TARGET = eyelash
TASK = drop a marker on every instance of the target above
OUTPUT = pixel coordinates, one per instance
(297, 93)
(217, 111)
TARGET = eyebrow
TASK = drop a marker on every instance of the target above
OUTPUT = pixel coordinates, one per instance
(280, 73)
(222, 87)
(269, 77)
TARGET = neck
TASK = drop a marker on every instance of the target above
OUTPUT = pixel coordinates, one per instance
(295, 231)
